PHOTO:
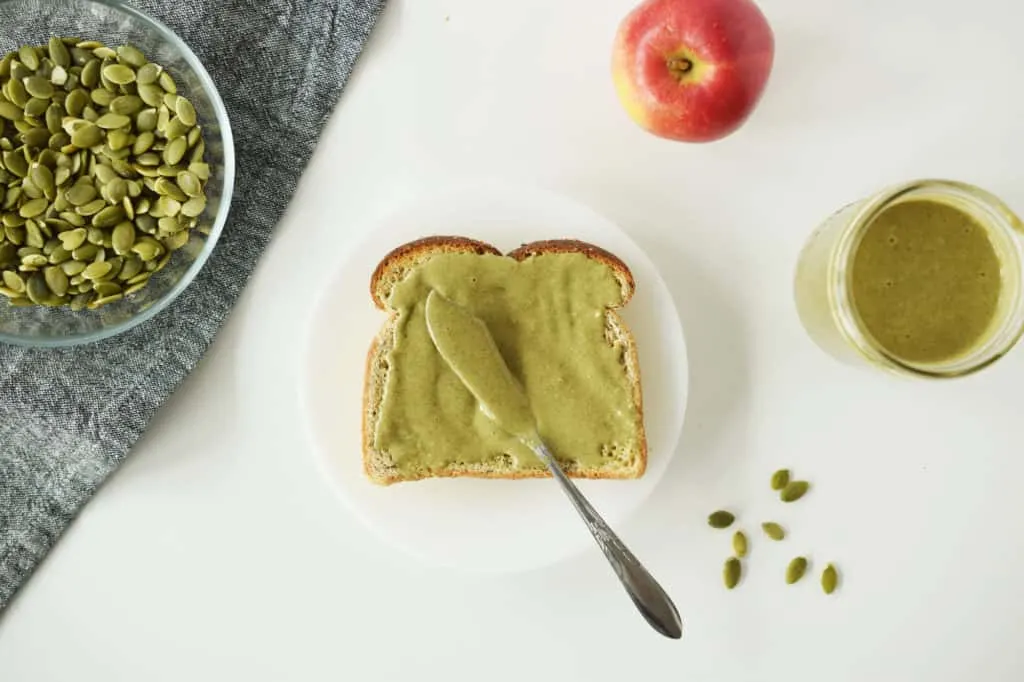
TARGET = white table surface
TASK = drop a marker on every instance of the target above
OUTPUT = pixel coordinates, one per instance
(218, 553)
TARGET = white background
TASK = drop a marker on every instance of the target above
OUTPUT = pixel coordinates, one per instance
(218, 553)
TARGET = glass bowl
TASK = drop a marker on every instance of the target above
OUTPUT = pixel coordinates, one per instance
(33, 22)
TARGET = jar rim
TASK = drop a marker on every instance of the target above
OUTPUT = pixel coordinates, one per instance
(1004, 222)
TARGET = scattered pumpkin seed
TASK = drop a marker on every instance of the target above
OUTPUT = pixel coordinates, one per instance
(731, 572)
(102, 172)
(779, 479)
(739, 544)
(773, 530)
(829, 579)
(796, 569)
(794, 490)
(721, 519)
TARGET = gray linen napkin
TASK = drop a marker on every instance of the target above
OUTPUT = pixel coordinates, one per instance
(69, 417)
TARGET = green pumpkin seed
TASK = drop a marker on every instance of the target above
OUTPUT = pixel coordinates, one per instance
(123, 238)
(32, 208)
(194, 207)
(779, 479)
(86, 135)
(132, 56)
(37, 86)
(96, 270)
(112, 121)
(100, 302)
(91, 208)
(773, 530)
(721, 519)
(43, 179)
(152, 95)
(56, 280)
(796, 569)
(85, 253)
(185, 111)
(104, 52)
(29, 57)
(36, 288)
(13, 281)
(108, 217)
(175, 150)
(167, 82)
(829, 579)
(126, 105)
(102, 97)
(119, 74)
(72, 268)
(739, 543)
(731, 572)
(148, 74)
(175, 129)
(76, 102)
(10, 111)
(794, 490)
(189, 184)
(90, 77)
(176, 241)
(59, 54)
(36, 107)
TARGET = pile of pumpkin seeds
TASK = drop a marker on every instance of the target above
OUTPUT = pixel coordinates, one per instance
(789, 491)
(102, 175)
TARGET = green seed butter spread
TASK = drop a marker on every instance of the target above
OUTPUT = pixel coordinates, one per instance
(926, 281)
(546, 315)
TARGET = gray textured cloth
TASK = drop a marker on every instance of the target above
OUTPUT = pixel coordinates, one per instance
(68, 418)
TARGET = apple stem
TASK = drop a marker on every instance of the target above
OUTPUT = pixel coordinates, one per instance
(679, 66)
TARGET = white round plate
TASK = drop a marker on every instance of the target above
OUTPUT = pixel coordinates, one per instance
(465, 523)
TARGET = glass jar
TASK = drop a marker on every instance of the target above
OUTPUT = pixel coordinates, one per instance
(823, 289)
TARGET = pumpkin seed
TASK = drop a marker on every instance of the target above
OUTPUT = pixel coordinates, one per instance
(123, 238)
(10, 111)
(796, 569)
(167, 82)
(119, 74)
(87, 135)
(59, 54)
(794, 490)
(739, 544)
(100, 302)
(33, 207)
(148, 74)
(779, 479)
(721, 519)
(131, 55)
(29, 57)
(829, 579)
(773, 530)
(112, 121)
(186, 112)
(56, 280)
(37, 86)
(36, 289)
(13, 281)
(731, 572)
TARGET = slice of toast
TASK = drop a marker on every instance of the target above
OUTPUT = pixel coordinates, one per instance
(621, 460)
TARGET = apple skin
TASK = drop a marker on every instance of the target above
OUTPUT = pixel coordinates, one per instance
(692, 70)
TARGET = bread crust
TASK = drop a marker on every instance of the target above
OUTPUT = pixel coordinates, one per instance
(393, 268)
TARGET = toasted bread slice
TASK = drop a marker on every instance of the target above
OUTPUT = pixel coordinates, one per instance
(621, 461)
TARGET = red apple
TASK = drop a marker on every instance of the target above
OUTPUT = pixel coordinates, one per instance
(692, 70)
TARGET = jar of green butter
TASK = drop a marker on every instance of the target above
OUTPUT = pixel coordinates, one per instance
(923, 279)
